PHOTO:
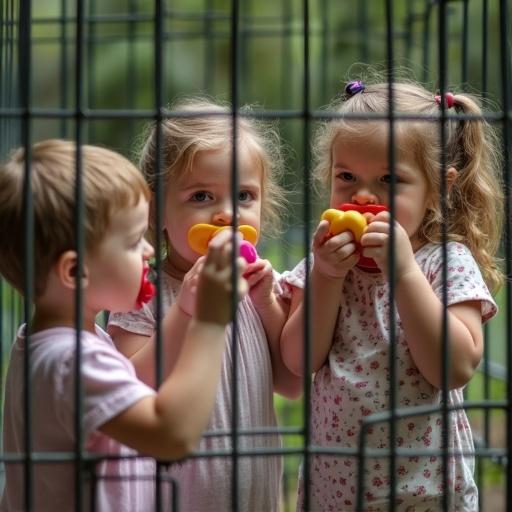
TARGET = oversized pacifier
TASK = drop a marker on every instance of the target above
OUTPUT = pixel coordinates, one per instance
(199, 236)
(349, 217)
(147, 289)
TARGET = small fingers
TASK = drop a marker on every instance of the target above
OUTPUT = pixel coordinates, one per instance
(377, 238)
(321, 233)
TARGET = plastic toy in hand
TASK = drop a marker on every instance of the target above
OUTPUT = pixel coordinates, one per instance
(353, 217)
(147, 289)
(199, 236)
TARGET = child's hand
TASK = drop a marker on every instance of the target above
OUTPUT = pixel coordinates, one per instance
(214, 285)
(375, 243)
(187, 297)
(335, 256)
(260, 278)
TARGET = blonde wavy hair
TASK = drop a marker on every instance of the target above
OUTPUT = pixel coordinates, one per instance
(206, 125)
(110, 182)
(475, 200)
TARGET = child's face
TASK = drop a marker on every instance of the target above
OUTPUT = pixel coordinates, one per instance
(203, 195)
(360, 174)
(115, 268)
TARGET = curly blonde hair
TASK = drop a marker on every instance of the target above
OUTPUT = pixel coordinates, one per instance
(206, 125)
(475, 200)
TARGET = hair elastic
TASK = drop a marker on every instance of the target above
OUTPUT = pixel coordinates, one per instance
(354, 87)
(449, 99)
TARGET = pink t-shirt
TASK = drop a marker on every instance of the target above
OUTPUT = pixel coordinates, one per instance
(354, 383)
(109, 387)
(205, 483)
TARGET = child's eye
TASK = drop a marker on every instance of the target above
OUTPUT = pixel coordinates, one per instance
(245, 196)
(201, 196)
(346, 176)
(387, 179)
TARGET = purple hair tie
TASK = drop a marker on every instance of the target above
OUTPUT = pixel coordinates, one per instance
(354, 87)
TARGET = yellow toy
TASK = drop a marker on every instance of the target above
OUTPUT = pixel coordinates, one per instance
(345, 221)
(351, 217)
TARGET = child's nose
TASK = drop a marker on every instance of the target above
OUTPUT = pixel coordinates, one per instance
(223, 217)
(364, 196)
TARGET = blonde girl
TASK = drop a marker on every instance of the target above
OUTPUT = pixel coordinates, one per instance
(350, 305)
(197, 167)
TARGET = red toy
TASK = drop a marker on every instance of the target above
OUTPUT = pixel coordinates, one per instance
(147, 289)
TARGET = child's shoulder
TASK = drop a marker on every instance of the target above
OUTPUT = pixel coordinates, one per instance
(433, 253)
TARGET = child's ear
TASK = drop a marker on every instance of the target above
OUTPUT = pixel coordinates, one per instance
(451, 178)
(66, 269)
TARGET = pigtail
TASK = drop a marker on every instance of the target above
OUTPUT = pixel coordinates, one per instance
(476, 198)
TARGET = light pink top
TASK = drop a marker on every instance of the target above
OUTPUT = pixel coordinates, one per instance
(205, 483)
(354, 383)
(110, 387)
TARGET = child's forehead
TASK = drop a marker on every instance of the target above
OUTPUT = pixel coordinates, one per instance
(374, 136)
(131, 217)
(210, 166)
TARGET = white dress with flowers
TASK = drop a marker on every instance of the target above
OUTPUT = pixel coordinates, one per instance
(354, 383)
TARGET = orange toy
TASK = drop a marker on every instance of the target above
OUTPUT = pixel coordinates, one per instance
(199, 235)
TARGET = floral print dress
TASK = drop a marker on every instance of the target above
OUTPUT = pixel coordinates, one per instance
(354, 383)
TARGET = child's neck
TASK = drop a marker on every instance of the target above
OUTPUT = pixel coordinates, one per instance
(45, 317)
(176, 269)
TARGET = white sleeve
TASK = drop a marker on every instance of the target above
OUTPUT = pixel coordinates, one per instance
(464, 282)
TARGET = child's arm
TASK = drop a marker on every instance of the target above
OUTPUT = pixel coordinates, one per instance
(141, 350)
(421, 311)
(169, 425)
(273, 312)
(333, 258)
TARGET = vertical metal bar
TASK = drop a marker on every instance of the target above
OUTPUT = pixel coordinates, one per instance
(324, 61)
(63, 64)
(131, 71)
(92, 42)
(159, 198)
(391, 256)
(11, 93)
(486, 353)
(25, 73)
(80, 247)
(307, 242)
(443, 81)
(465, 43)
(426, 39)
(234, 57)
(3, 308)
(507, 134)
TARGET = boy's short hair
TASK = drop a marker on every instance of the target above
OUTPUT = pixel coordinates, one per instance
(110, 182)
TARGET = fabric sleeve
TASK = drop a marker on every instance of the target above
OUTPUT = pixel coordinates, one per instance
(141, 321)
(109, 382)
(465, 281)
(293, 278)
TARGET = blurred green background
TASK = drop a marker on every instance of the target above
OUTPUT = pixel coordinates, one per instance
(202, 50)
